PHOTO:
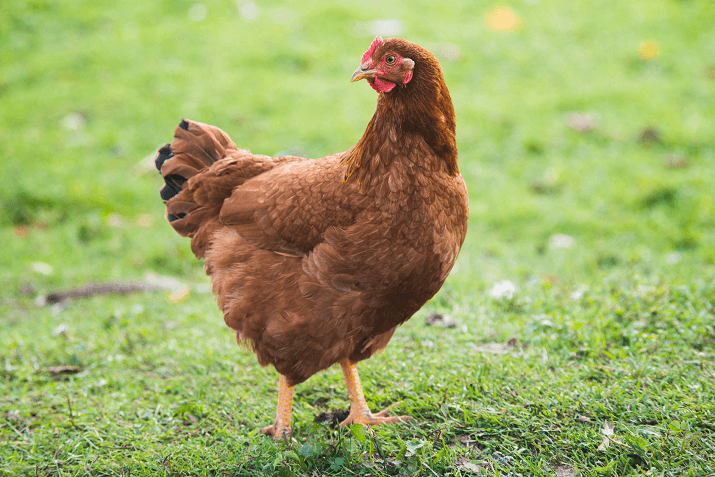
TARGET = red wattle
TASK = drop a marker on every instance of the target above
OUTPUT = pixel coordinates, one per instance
(382, 86)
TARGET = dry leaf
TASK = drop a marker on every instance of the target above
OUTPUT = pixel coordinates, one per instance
(180, 295)
(465, 464)
(608, 432)
(565, 470)
(581, 418)
(608, 428)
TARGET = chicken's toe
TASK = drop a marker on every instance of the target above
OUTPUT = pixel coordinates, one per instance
(278, 432)
(370, 419)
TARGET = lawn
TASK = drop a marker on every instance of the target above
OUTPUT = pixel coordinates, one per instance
(578, 326)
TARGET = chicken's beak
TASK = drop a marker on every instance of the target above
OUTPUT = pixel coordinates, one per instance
(363, 72)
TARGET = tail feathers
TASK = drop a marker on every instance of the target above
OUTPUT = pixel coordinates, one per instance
(201, 168)
(195, 147)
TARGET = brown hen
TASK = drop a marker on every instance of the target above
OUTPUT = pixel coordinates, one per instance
(316, 262)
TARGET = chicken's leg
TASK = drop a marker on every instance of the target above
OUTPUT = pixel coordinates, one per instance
(281, 428)
(359, 412)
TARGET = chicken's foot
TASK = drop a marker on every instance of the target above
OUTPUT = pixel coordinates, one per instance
(281, 428)
(359, 411)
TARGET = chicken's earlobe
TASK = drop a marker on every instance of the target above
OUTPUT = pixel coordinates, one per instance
(409, 63)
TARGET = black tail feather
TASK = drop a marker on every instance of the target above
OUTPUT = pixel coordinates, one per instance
(173, 182)
(165, 153)
(172, 186)
(172, 217)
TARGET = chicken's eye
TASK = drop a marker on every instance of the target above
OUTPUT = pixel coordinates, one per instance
(391, 60)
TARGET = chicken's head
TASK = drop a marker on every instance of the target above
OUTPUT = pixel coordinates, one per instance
(384, 67)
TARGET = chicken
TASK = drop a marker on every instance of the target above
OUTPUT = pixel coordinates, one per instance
(317, 262)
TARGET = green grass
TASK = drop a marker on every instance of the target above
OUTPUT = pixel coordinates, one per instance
(619, 326)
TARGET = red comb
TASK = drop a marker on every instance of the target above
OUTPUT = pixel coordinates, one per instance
(376, 43)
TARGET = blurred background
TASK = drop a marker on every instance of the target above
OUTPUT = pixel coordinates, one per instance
(586, 130)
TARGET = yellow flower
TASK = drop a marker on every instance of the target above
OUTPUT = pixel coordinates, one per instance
(503, 18)
(648, 51)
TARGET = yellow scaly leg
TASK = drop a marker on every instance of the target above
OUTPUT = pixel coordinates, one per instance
(359, 412)
(281, 428)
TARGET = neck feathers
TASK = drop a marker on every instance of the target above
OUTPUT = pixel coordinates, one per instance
(421, 108)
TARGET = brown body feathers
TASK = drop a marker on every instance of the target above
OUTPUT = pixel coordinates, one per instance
(318, 261)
